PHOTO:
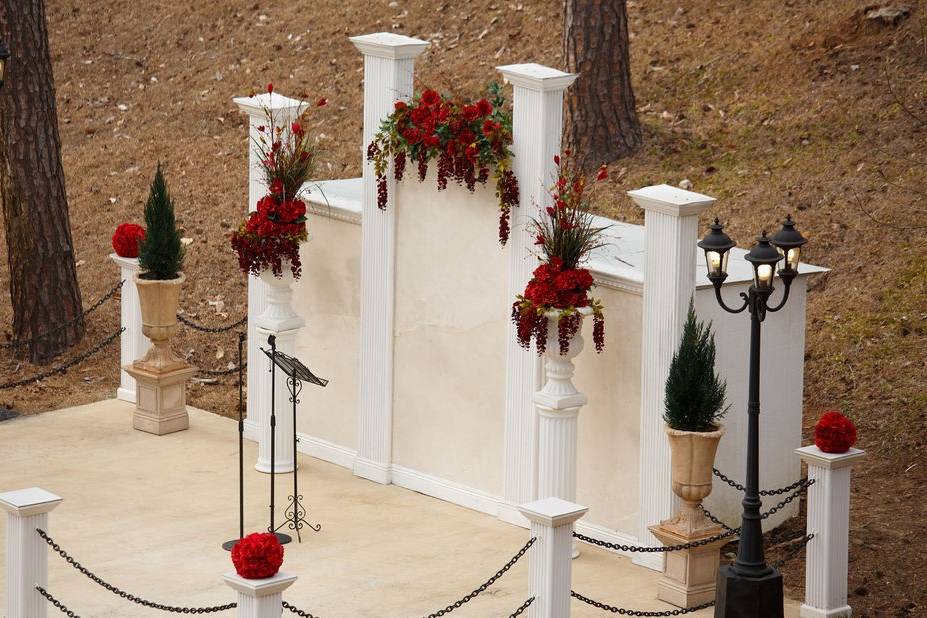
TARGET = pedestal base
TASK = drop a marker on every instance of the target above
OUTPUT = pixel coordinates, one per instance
(161, 399)
(689, 575)
(748, 597)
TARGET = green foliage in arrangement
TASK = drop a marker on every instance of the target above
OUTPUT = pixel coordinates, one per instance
(160, 254)
(695, 395)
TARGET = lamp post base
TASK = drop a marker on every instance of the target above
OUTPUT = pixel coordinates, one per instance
(748, 597)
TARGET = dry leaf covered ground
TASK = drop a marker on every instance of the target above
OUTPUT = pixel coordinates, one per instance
(771, 106)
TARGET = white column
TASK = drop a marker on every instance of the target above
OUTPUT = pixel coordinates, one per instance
(550, 559)
(133, 341)
(26, 552)
(389, 61)
(260, 598)
(671, 234)
(285, 110)
(537, 125)
(829, 521)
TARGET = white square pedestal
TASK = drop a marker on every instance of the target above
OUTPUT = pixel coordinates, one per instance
(689, 575)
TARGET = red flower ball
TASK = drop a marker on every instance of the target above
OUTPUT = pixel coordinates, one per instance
(127, 238)
(834, 433)
(258, 555)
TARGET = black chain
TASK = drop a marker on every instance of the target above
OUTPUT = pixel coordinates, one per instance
(802, 489)
(799, 546)
(297, 611)
(636, 612)
(125, 595)
(64, 368)
(61, 606)
(522, 608)
(712, 518)
(211, 329)
(763, 492)
(60, 327)
(222, 372)
(489, 582)
(645, 549)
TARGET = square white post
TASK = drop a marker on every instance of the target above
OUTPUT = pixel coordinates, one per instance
(829, 520)
(389, 64)
(285, 110)
(133, 341)
(26, 551)
(671, 234)
(537, 123)
(260, 598)
(550, 562)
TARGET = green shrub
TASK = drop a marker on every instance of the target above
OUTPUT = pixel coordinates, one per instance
(160, 254)
(695, 395)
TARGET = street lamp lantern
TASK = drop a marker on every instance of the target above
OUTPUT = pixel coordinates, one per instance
(4, 57)
(717, 246)
(764, 257)
(789, 242)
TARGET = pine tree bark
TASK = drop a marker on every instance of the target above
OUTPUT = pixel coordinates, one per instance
(600, 123)
(45, 296)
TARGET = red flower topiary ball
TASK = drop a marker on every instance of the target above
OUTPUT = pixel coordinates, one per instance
(258, 555)
(834, 433)
(127, 238)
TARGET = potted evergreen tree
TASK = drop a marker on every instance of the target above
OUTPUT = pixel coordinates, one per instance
(160, 258)
(694, 404)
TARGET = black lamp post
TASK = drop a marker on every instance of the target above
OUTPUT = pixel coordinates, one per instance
(750, 588)
(4, 58)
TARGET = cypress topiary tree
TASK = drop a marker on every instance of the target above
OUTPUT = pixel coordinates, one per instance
(160, 254)
(695, 394)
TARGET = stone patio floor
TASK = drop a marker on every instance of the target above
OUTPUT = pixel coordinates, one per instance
(148, 514)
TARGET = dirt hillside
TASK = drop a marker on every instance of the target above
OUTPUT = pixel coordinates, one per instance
(772, 106)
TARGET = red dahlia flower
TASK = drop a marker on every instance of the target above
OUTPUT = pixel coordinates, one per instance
(834, 433)
(127, 238)
(258, 555)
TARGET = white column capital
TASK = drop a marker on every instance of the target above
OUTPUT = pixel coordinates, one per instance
(552, 512)
(671, 200)
(260, 104)
(27, 502)
(536, 77)
(813, 456)
(128, 263)
(389, 45)
(259, 587)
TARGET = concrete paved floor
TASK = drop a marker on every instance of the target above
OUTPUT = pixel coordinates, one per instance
(148, 514)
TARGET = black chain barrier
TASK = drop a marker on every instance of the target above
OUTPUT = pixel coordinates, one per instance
(297, 611)
(636, 612)
(713, 519)
(125, 595)
(58, 604)
(210, 329)
(522, 608)
(799, 546)
(60, 327)
(61, 369)
(763, 492)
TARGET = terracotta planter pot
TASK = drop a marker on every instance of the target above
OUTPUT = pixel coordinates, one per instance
(159, 300)
(693, 455)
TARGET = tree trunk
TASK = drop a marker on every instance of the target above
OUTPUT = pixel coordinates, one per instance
(43, 277)
(601, 122)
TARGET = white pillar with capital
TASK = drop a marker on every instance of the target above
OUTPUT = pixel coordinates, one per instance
(389, 63)
(26, 552)
(133, 342)
(671, 233)
(826, 557)
(284, 110)
(259, 598)
(537, 123)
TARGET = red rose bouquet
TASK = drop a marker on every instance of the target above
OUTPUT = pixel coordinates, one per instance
(127, 238)
(834, 433)
(560, 287)
(469, 140)
(258, 555)
(271, 235)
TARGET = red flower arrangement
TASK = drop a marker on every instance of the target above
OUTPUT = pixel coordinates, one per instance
(559, 288)
(126, 239)
(834, 433)
(258, 555)
(467, 139)
(271, 235)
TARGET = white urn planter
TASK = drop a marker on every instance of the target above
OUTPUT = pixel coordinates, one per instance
(558, 404)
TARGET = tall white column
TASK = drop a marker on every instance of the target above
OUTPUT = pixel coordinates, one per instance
(26, 552)
(260, 598)
(133, 341)
(671, 234)
(284, 110)
(537, 125)
(550, 559)
(829, 520)
(389, 61)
